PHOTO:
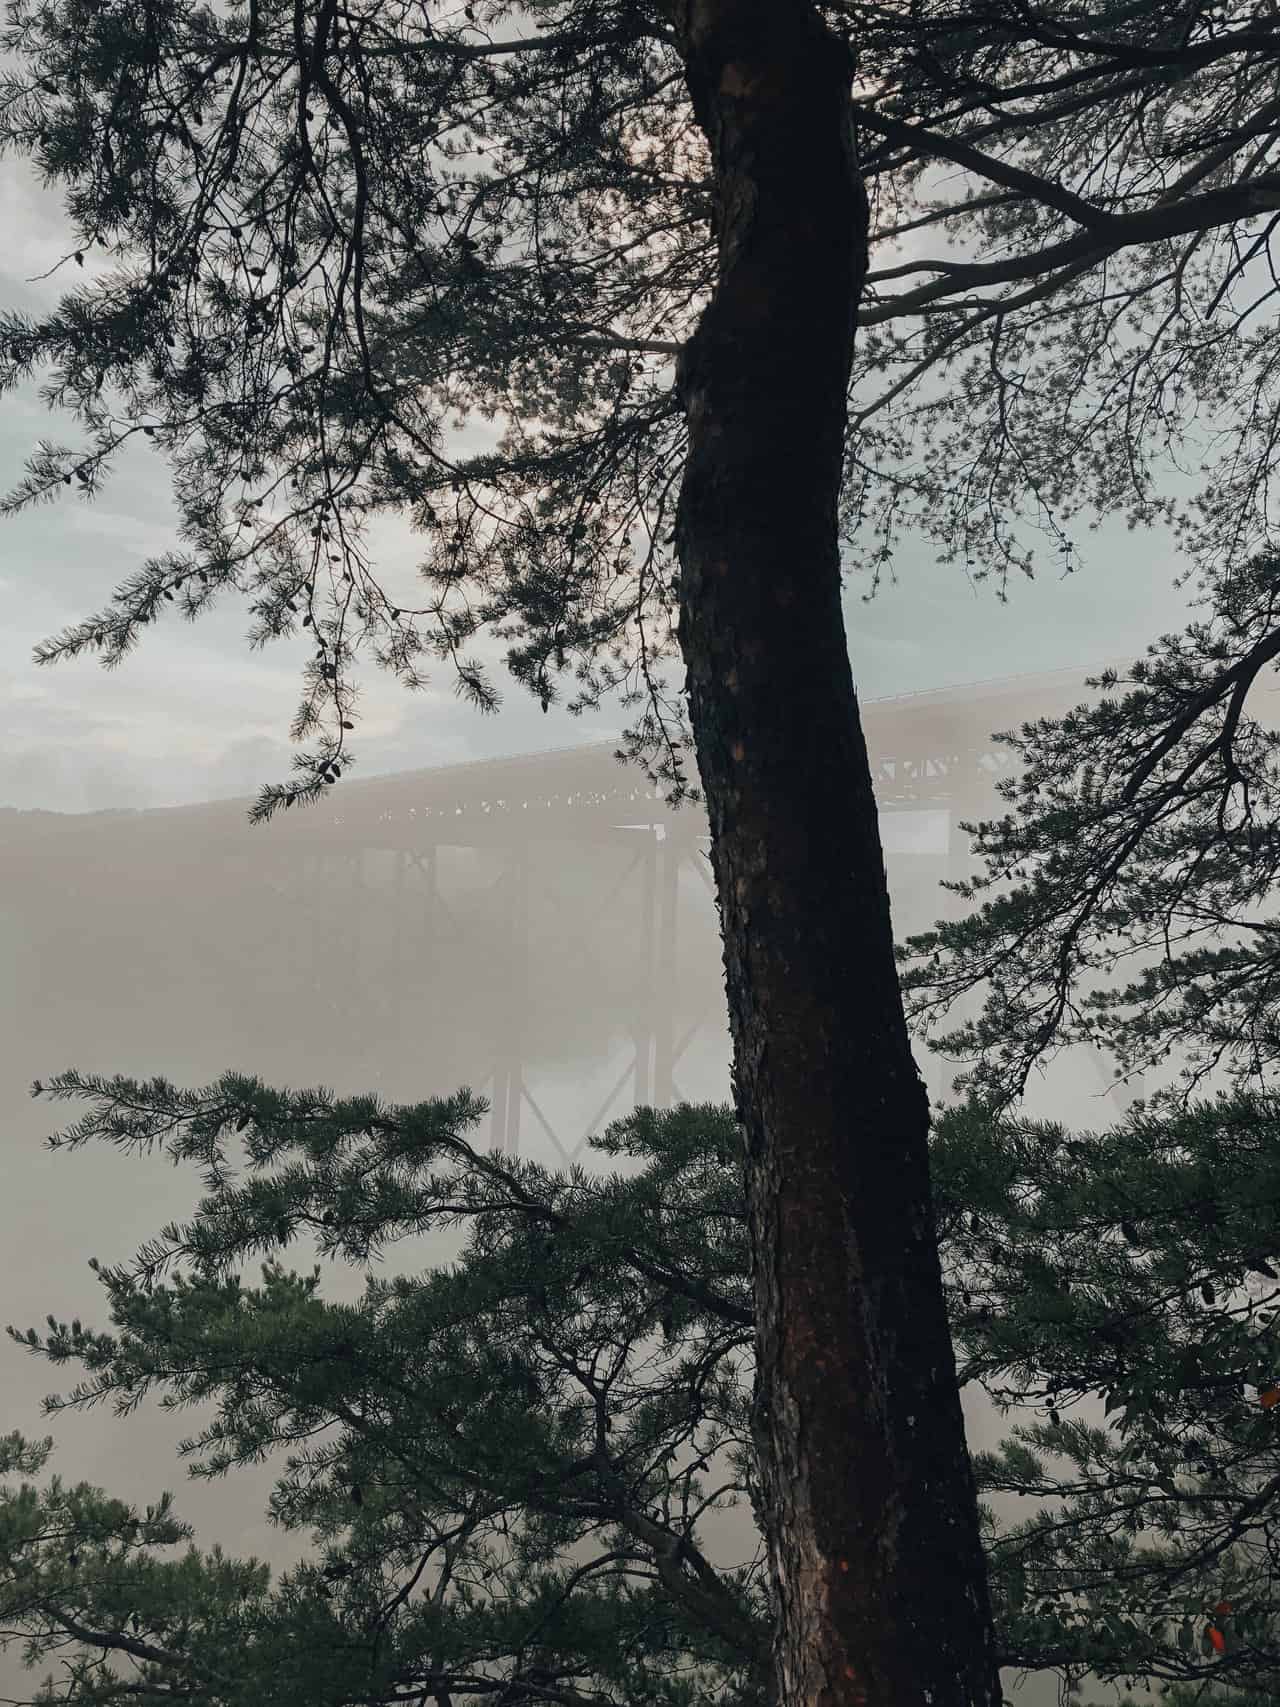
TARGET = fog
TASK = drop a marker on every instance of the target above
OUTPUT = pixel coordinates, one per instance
(540, 927)
(483, 901)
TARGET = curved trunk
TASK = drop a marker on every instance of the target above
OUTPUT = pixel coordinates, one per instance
(873, 1537)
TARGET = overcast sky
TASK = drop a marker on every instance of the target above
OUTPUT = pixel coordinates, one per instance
(192, 714)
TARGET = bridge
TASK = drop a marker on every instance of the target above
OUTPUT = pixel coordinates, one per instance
(540, 927)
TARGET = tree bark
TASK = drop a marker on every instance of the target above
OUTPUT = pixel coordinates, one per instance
(877, 1565)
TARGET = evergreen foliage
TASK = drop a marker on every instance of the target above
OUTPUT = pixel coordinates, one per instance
(1140, 1264)
(1145, 838)
(577, 1388)
(310, 240)
(451, 1438)
(306, 241)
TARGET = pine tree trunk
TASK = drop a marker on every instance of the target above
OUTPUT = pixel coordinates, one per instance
(874, 1543)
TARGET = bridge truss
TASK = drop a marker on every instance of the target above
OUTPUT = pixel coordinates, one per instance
(542, 927)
